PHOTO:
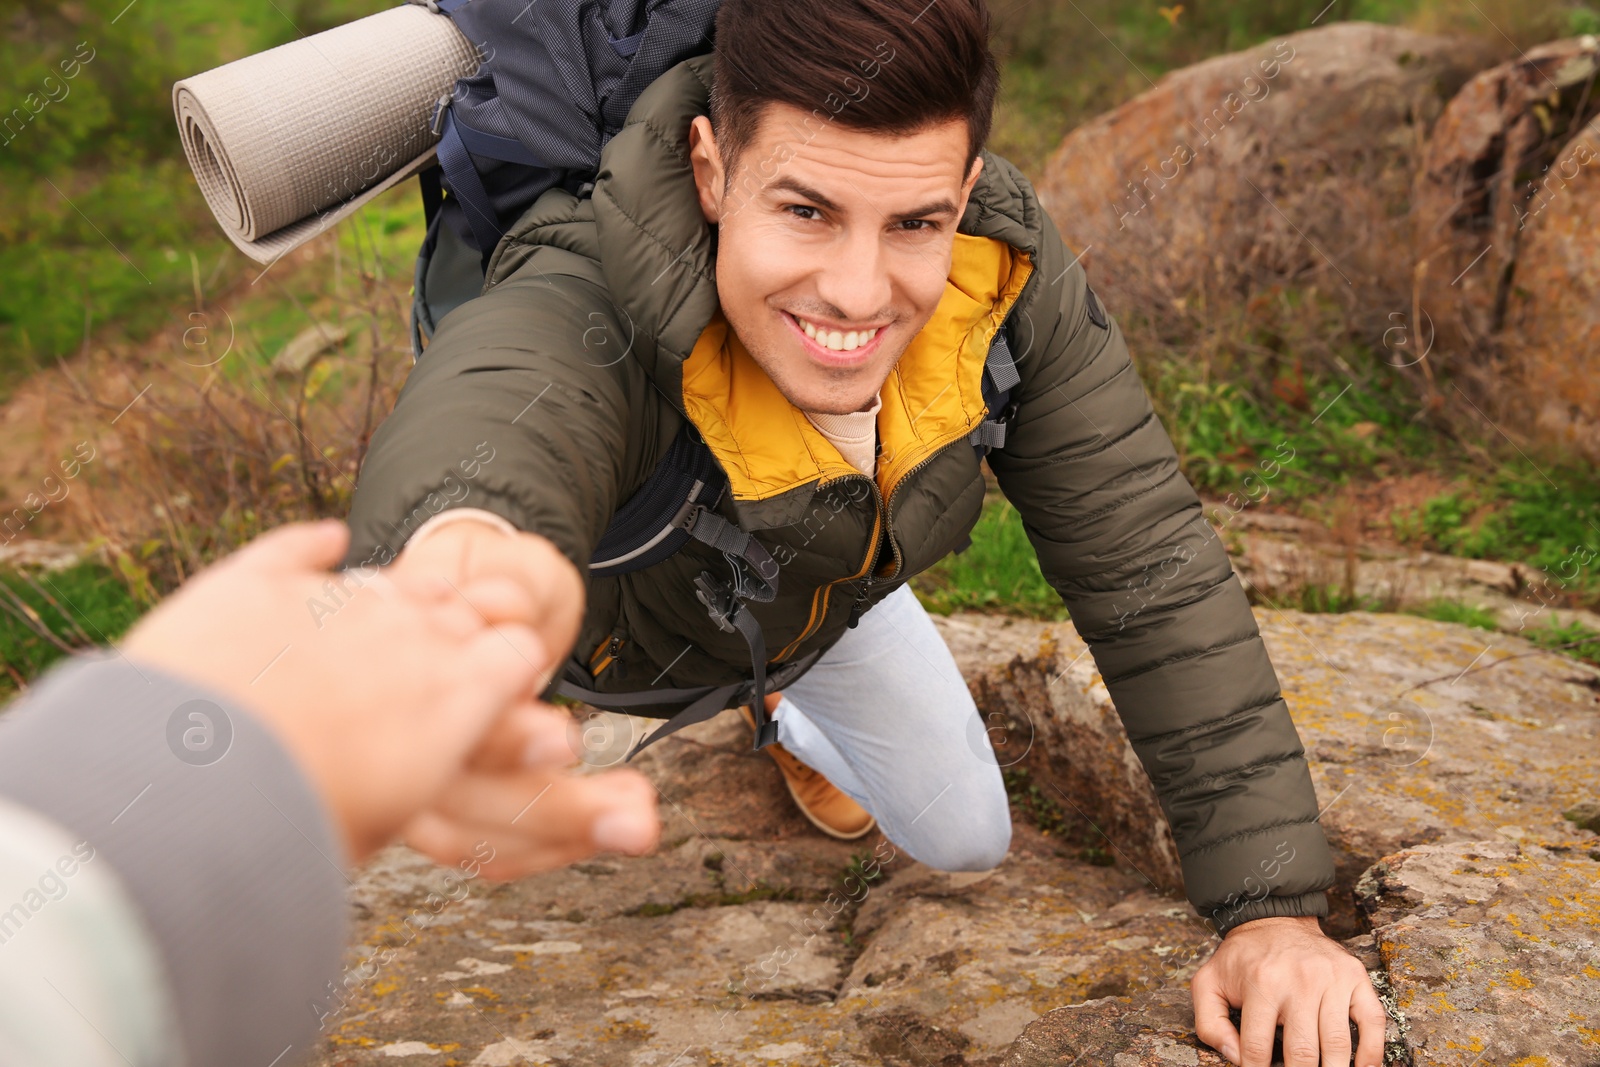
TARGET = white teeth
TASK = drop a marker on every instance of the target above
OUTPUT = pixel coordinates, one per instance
(834, 339)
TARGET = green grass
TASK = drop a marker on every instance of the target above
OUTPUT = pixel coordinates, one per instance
(998, 573)
(1474, 615)
(1574, 639)
(1339, 433)
(91, 606)
(1332, 433)
(101, 214)
(1547, 516)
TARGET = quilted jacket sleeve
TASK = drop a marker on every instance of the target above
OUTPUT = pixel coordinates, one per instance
(510, 410)
(1120, 536)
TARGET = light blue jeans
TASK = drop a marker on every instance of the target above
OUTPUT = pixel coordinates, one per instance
(885, 715)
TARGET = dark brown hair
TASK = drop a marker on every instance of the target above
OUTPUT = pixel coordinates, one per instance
(881, 66)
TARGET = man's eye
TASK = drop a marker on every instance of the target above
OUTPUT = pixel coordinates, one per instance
(798, 208)
(918, 225)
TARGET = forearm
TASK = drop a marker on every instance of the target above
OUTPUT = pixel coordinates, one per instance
(504, 415)
(1120, 535)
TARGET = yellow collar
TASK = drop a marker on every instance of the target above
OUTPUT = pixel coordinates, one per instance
(934, 394)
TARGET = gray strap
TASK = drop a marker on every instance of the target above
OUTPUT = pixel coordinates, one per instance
(1002, 368)
(989, 434)
(757, 578)
(711, 704)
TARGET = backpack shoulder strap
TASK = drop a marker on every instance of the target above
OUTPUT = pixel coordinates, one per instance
(658, 518)
(673, 506)
(1000, 378)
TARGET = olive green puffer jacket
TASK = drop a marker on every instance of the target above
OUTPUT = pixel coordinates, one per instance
(550, 398)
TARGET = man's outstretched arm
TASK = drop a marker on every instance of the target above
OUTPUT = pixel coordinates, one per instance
(520, 407)
(1120, 536)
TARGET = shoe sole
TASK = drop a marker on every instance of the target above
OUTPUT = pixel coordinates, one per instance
(837, 835)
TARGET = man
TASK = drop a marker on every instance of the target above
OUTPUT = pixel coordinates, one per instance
(799, 247)
(176, 816)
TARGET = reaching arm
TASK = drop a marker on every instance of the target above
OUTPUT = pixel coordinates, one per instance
(519, 407)
(1120, 536)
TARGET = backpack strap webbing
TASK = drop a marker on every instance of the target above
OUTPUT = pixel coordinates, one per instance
(705, 701)
(1000, 377)
(673, 506)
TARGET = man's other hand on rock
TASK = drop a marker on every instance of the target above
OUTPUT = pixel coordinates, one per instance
(1283, 971)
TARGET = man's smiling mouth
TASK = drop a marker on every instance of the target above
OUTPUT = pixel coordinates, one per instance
(833, 339)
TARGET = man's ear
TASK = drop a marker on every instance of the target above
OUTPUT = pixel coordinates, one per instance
(707, 163)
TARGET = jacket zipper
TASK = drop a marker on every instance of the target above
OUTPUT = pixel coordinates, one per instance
(819, 608)
(881, 524)
(609, 650)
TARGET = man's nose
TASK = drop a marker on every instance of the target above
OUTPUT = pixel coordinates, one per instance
(854, 277)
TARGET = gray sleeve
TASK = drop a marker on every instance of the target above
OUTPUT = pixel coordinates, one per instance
(214, 833)
(81, 981)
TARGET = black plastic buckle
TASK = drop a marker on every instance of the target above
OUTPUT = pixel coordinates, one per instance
(719, 601)
(767, 733)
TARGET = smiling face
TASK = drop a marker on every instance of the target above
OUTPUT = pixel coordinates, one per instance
(833, 246)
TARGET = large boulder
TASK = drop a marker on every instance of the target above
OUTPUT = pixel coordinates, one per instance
(1290, 161)
(1498, 168)
(1552, 339)
(750, 938)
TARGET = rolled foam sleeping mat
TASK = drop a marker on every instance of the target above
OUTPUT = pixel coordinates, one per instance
(287, 142)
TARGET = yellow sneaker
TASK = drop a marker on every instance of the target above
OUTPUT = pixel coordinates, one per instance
(829, 808)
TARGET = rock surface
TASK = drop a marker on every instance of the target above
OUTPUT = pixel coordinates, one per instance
(743, 940)
(1416, 731)
(1492, 949)
(749, 938)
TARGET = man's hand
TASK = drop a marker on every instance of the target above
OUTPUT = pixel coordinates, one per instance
(1283, 970)
(533, 811)
(462, 553)
(519, 797)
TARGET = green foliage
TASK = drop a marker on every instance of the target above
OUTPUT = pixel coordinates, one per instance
(1032, 802)
(1574, 639)
(82, 605)
(116, 250)
(1329, 432)
(855, 874)
(999, 572)
(1474, 615)
(100, 72)
(1324, 599)
(1546, 516)
(101, 214)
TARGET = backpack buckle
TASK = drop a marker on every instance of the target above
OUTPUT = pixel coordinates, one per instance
(719, 601)
(688, 515)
